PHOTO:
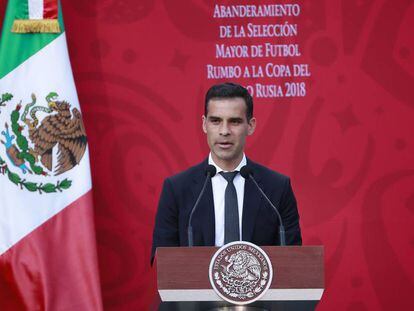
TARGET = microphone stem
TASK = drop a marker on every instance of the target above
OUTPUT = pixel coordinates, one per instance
(282, 236)
(190, 227)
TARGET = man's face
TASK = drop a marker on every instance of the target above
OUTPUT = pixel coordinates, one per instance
(226, 127)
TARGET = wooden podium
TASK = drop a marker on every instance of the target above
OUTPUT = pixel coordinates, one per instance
(183, 282)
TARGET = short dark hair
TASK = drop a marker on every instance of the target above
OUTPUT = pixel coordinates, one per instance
(230, 90)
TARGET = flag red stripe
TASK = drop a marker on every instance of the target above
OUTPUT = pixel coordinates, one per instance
(50, 9)
(55, 266)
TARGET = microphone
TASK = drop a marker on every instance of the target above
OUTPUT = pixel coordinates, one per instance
(247, 173)
(210, 171)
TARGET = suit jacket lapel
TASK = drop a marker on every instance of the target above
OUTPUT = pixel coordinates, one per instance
(251, 205)
(205, 209)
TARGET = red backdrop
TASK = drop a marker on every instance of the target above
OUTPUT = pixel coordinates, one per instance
(140, 70)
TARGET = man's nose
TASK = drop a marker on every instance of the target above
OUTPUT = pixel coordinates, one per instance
(224, 129)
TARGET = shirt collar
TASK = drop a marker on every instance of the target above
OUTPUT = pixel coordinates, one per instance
(242, 163)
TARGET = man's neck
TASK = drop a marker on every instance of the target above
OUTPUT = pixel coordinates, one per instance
(227, 166)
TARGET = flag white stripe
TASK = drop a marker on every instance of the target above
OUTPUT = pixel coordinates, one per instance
(35, 9)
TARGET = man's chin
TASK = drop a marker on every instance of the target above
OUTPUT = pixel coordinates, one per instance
(224, 155)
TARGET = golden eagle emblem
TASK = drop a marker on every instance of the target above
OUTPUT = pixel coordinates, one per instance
(65, 130)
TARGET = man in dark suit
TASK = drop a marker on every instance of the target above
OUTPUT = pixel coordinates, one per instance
(230, 209)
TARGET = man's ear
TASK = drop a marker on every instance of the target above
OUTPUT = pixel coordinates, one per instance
(252, 126)
(204, 123)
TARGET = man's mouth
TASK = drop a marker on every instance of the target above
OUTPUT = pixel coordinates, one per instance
(224, 144)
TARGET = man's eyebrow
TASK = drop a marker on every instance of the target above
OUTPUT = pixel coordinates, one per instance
(214, 118)
(236, 119)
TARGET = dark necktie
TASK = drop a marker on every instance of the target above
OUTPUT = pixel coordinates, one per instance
(231, 210)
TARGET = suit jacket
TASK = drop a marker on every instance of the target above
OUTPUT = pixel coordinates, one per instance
(259, 222)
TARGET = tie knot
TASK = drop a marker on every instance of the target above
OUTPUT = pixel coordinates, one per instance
(229, 176)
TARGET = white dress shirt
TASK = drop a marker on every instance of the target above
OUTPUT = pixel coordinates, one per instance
(219, 187)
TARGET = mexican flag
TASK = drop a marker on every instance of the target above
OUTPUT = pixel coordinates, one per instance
(48, 255)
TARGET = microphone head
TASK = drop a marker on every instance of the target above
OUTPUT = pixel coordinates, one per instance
(211, 170)
(246, 171)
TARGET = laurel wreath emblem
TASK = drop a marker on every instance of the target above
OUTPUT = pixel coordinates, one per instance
(247, 291)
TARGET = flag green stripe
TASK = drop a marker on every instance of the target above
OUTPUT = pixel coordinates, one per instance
(22, 9)
(17, 48)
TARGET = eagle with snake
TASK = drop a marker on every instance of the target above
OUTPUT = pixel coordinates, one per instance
(63, 128)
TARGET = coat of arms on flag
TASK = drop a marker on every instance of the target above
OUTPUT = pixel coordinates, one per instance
(29, 142)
